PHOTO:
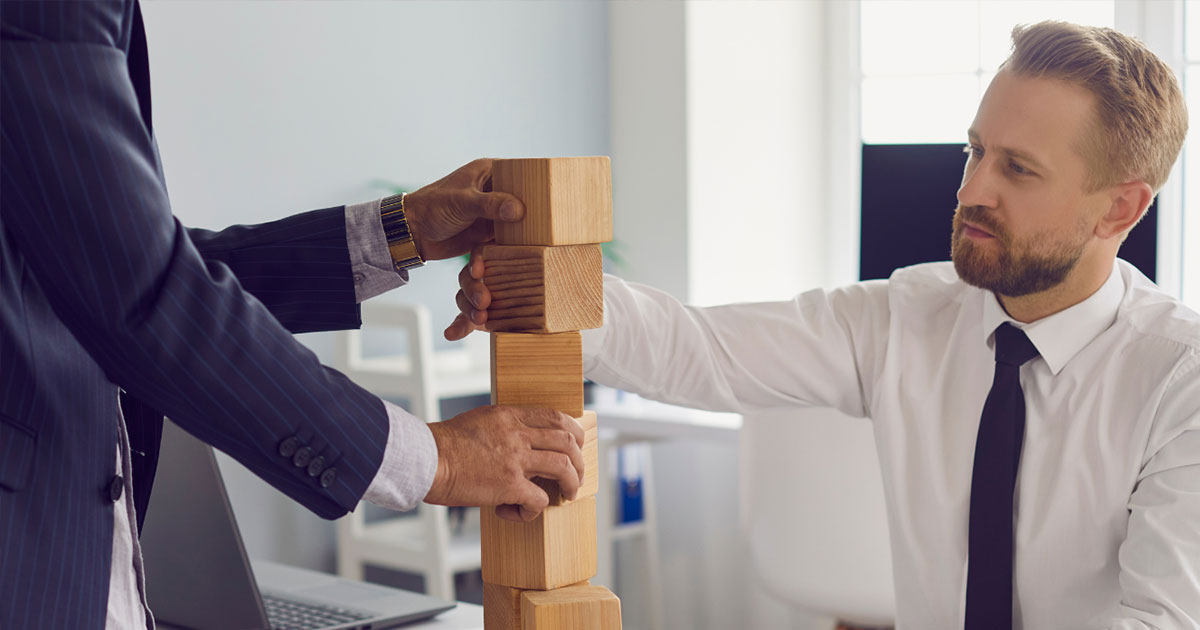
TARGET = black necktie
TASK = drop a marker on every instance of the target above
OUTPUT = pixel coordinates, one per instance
(993, 482)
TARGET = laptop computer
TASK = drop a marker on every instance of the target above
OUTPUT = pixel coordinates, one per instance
(198, 575)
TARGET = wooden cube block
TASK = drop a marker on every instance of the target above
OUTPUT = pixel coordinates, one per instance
(502, 606)
(568, 200)
(544, 289)
(571, 608)
(538, 371)
(591, 463)
(555, 549)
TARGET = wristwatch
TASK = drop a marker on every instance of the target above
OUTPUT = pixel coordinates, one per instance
(399, 235)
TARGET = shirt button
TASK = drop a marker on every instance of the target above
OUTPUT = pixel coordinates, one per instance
(328, 476)
(316, 466)
(358, 277)
(302, 457)
(289, 446)
(116, 487)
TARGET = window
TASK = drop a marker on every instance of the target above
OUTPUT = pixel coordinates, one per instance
(925, 64)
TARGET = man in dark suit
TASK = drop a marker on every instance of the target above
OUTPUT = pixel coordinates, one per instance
(112, 314)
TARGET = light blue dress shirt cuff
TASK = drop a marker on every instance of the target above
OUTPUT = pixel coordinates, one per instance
(409, 462)
(370, 260)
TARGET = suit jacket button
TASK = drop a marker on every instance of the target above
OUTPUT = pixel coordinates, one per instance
(328, 476)
(316, 466)
(289, 446)
(302, 457)
(116, 487)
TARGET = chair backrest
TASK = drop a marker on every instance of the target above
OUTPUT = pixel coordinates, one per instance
(409, 375)
(813, 513)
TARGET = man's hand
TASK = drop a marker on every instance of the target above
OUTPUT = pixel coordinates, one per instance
(473, 299)
(453, 214)
(488, 455)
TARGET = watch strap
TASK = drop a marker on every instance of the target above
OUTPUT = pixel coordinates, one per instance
(399, 235)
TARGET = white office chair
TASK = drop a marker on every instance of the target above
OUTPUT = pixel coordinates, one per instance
(813, 514)
(422, 544)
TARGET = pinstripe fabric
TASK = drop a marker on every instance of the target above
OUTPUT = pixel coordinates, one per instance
(100, 287)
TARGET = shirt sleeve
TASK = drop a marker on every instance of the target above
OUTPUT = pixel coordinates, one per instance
(370, 260)
(409, 462)
(1160, 556)
(819, 349)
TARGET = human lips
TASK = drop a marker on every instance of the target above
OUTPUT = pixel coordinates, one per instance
(976, 232)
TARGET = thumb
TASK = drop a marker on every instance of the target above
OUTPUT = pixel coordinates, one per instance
(499, 206)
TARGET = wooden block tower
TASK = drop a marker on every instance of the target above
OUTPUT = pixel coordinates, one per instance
(545, 277)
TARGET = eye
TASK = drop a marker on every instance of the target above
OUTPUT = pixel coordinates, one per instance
(973, 151)
(1018, 169)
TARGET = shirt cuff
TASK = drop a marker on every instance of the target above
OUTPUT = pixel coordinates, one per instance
(370, 260)
(409, 462)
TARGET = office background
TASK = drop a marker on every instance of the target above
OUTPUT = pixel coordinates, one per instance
(735, 129)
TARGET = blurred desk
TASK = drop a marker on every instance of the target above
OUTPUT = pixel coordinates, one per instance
(636, 419)
(464, 617)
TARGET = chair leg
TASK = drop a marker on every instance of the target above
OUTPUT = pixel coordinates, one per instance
(350, 566)
(440, 583)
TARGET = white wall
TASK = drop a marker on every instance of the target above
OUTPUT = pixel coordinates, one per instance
(649, 142)
(263, 109)
(757, 186)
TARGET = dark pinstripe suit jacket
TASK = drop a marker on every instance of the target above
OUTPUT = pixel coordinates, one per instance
(100, 288)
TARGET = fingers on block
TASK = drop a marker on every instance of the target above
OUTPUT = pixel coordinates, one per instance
(568, 200)
(544, 289)
(591, 461)
(556, 549)
(538, 371)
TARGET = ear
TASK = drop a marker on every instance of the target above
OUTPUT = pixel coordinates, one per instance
(1127, 204)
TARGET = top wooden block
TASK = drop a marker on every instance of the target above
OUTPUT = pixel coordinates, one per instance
(568, 200)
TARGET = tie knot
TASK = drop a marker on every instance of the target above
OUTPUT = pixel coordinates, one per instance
(1013, 347)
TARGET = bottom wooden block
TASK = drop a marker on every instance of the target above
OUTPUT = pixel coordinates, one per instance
(591, 465)
(571, 608)
(502, 606)
(553, 550)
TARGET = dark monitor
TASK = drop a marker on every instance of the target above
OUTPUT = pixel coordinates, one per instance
(908, 201)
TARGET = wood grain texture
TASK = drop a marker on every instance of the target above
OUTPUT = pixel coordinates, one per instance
(553, 550)
(536, 288)
(502, 606)
(538, 371)
(571, 608)
(591, 464)
(568, 200)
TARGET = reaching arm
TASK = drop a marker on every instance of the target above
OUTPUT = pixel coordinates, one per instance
(818, 349)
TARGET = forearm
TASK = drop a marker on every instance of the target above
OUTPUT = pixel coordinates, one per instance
(739, 357)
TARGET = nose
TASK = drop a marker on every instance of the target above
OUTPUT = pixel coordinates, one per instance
(978, 185)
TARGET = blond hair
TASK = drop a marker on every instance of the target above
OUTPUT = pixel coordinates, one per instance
(1141, 118)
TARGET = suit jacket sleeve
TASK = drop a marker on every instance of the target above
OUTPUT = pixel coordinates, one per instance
(298, 267)
(85, 204)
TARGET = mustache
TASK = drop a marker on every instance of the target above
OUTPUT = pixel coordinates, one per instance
(980, 217)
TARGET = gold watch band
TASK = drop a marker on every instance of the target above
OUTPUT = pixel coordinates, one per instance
(401, 242)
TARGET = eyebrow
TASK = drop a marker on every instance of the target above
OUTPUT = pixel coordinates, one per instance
(1017, 153)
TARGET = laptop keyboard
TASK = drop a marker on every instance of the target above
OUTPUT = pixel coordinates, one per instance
(286, 614)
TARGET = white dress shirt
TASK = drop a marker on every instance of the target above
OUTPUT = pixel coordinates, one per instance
(1108, 493)
(402, 481)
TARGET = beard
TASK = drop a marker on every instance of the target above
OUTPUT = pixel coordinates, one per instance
(1020, 267)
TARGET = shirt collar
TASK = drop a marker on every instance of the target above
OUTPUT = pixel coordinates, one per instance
(1059, 337)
